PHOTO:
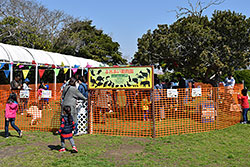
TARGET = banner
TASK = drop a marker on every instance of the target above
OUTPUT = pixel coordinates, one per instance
(41, 72)
(2, 64)
(30, 67)
(21, 66)
(25, 73)
(74, 70)
(10, 66)
(76, 66)
(7, 72)
(120, 78)
(56, 71)
(65, 70)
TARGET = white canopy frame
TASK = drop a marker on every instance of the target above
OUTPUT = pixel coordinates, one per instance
(12, 54)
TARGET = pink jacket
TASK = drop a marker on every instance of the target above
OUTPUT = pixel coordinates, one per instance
(11, 110)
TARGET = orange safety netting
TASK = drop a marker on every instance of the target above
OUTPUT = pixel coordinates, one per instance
(135, 113)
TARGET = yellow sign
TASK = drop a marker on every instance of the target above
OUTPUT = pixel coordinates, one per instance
(120, 78)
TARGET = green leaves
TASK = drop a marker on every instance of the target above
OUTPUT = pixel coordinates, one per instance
(197, 46)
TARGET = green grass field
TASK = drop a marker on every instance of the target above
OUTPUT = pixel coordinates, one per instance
(227, 147)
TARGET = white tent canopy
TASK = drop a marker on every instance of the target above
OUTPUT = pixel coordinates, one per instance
(18, 54)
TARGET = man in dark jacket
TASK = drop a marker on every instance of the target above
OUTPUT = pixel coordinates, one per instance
(16, 83)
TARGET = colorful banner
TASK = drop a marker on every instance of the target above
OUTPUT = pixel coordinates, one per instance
(7, 72)
(56, 71)
(121, 78)
(30, 67)
(74, 70)
(46, 94)
(10, 66)
(41, 72)
(21, 66)
(65, 70)
(2, 64)
(25, 73)
(76, 66)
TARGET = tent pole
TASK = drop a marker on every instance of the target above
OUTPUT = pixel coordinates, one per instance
(55, 84)
(70, 73)
(82, 71)
(11, 73)
(36, 74)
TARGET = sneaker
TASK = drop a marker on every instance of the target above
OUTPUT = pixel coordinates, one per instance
(243, 122)
(62, 150)
(74, 149)
(21, 134)
(6, 137)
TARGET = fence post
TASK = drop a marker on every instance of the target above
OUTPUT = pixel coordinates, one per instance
(153, 112)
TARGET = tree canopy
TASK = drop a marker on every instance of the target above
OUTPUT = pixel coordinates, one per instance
(198, 47)
(30, 24)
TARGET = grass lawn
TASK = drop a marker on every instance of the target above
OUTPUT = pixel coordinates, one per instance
(227, 147)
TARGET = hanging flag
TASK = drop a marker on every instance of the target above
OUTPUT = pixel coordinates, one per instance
(62, 64)
(7, 72)
(74, 70)
(18, 64)
(76, 66)
(33, 62)
(88, 65)
(10, 65)
(53, 66)
(30, 67)
(65, 70)
(21, 66)
(56, 71)
(2, 64)
(25, 73)
(46, 64)
(41, 72)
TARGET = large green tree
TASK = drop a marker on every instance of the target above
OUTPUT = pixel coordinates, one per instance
(82, 39)
(198, 47)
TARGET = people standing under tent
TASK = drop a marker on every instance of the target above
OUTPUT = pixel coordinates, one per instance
(69, 97)
(66, 128)
(244, 105)
(10, 114)
(16, 84)
(24, 101)
(63, 86)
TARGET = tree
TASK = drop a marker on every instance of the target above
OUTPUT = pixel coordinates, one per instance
(82, 39)
(16, 32)
(201, 48)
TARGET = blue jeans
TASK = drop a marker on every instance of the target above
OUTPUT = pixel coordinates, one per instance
(244, 113)
(12, 123)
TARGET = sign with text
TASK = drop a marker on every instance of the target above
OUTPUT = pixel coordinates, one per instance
(24, 94)
(120, 78)
(46, 94)
(173, 93)
(196, 92)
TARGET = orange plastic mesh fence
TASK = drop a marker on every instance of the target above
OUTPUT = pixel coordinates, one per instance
(136, 113)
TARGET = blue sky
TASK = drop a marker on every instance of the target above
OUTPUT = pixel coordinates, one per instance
(126, 21)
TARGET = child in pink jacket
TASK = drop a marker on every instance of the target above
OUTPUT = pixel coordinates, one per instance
(10, 114)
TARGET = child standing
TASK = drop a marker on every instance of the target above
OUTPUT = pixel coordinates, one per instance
(10, 114)
(67, 126)
(145, 107)
(244, 104)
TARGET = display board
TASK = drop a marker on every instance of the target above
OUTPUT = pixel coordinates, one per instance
(121, 78)
(196, 92)
(172, 93)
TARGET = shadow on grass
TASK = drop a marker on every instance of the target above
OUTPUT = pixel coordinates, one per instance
(2, 134)
(54, 147)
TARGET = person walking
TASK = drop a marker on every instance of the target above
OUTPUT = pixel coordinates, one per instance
(66, 128)
(10, 114)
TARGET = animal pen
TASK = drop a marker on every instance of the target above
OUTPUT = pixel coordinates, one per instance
(117, 109)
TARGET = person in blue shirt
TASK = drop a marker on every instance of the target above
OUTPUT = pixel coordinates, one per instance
(83, 88)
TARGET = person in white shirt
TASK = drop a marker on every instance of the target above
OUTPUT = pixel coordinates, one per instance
(230, 81)
(24, 101)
